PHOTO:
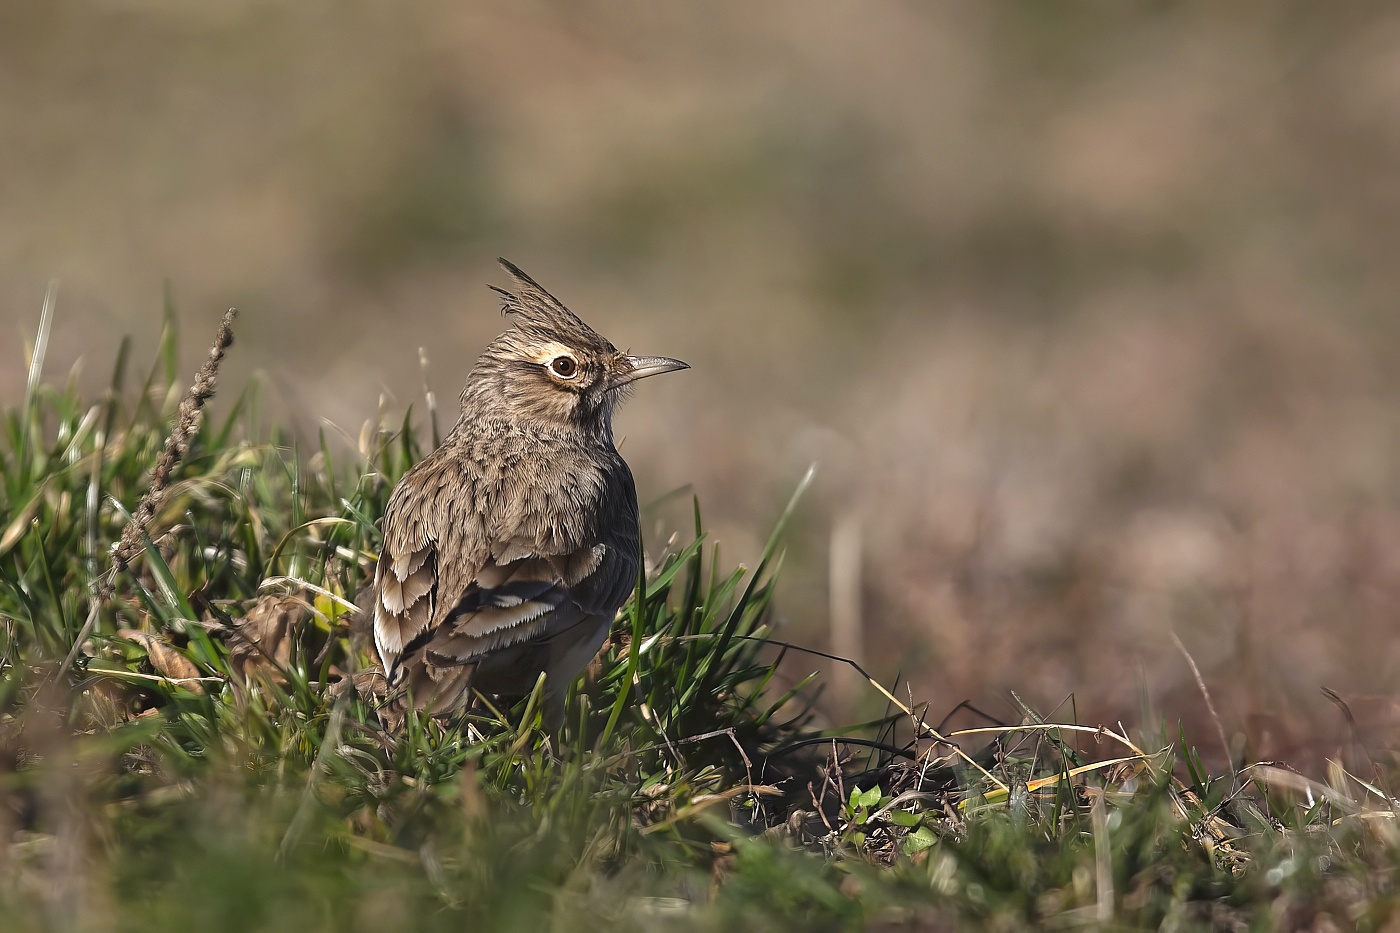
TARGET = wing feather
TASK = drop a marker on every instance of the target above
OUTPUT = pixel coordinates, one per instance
(404, 607)
(528, 599)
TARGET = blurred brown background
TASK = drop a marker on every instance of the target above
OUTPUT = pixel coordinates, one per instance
(1087, 312)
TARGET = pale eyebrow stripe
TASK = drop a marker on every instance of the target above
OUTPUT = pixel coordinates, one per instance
(550, 350)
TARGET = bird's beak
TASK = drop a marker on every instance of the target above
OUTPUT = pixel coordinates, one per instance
(643, 366)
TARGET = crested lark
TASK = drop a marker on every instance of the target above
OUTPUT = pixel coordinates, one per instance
(510, 548)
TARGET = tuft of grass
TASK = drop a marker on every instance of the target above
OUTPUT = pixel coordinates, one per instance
(204, 762)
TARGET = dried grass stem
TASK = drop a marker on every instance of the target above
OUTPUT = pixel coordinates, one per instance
(177, 447)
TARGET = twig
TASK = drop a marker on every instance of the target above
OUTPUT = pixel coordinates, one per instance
(927, 730)
(1376, 773)
(1210, 708)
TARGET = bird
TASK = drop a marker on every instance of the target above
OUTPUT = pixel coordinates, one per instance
(509, 549)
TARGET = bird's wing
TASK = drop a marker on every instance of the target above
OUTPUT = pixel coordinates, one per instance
(409, 577)
(513, 598)
(405, 585)
(530, 598)
(445, 598)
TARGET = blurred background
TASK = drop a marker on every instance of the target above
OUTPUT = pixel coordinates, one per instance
(1087, 313)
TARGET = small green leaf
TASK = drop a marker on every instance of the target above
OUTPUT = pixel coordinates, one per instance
(919, 840)
(904, 818)
(870, 798)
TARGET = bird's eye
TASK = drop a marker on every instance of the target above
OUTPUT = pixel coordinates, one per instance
(564, 366)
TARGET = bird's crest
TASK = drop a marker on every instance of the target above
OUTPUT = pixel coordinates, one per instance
(537, 311)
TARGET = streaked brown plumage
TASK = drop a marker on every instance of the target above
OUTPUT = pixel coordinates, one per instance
(509, 549)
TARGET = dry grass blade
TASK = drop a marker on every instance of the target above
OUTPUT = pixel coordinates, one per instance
(933, 733)
(342, 602)
(138, 677)
(1281, 777)
(1054, 726)
(36, 363)
(706, 801)
(21, 522)
(920, 725)
(1210, 708)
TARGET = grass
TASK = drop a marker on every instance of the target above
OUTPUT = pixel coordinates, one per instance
(179, 749)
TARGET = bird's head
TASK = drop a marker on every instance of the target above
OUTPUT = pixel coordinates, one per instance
(552, 367)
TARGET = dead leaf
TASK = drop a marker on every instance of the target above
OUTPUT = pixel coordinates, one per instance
(166, 659)
(261, 642)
